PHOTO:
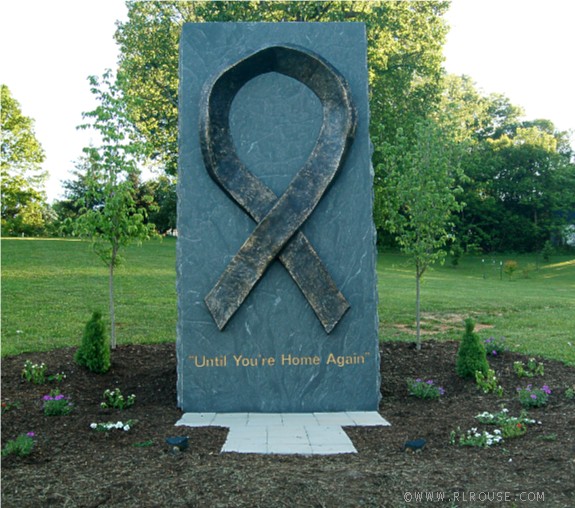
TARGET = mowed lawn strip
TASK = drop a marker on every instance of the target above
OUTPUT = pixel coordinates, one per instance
(534, 310)
(51, 286)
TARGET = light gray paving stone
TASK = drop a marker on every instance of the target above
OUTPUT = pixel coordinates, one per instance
(196, 419)
(340, 418)
(299, 419)
(230, 419)
(286, 433)
(367, 419)
(265, 419)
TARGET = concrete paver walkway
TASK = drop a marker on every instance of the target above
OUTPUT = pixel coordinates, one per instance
(286, 433)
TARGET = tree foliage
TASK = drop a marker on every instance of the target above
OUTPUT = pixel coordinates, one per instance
(471, 355)
(108, 214)
(23, 199)
(420, 196)
(404, 55)
(94, 351)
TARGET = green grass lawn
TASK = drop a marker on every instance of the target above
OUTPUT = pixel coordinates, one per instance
(50, 288)
(534, 310)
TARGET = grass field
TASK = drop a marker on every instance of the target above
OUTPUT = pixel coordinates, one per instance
(50, 287)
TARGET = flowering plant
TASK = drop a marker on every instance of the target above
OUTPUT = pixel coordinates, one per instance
(102, 427)
(474, 437)
(511, 426)
(56, 404)
(511, 430)
(495, 346)
(533, 368)
(503, 417)
(488, 382)
(424, 389)
(533, 397)
(115, 399)
(9, 406)
(20, 446)
(34, 372)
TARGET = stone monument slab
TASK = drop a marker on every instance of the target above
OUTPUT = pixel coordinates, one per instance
(277, 297)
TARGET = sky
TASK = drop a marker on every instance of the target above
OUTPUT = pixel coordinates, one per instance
(520, 48)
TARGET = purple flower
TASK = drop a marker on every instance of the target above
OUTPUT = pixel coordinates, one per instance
(418, 380)
(441, 391)
(533, 396)
(429, 381)
(546, 389)
(47, 397)
(59, 397)
(31, 434)
(494, 352)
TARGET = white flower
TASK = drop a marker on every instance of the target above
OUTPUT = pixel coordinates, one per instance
(497, 431)
(126, 428)
(119, 425)
(505, 410)
(93, 425)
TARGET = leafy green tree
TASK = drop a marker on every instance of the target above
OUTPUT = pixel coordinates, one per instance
(109, 215)
(520, 189)
(77, 195)
(421, 192)
(24, 209)
(164, 213)
(404, 56)
(520, 178)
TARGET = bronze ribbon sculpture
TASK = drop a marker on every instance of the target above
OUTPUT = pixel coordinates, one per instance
(278, 220)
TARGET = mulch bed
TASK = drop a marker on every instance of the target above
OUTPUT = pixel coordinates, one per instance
(72, 465)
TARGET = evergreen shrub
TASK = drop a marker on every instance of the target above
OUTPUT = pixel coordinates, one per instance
(94, 352)
(471, 356)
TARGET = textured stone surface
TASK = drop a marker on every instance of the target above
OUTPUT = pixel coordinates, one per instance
(279, 218)
(274, 354)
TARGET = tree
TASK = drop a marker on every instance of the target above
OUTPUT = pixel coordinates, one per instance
(23, 199)
(77, 195)
(421, 197)
(404, 54)
(520, 179)
(520, 190)
(109, 215)
(163, 214)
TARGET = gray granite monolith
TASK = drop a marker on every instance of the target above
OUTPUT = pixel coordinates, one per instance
(273, 352)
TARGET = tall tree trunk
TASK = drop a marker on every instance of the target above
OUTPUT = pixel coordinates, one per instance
(111, 291)
(417, 310)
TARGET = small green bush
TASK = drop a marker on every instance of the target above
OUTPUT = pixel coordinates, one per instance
(94, 352)
(510, 267)
(471, 357)
(548, 250)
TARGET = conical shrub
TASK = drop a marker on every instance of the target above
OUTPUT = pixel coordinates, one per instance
(94, 351)
(471, 356)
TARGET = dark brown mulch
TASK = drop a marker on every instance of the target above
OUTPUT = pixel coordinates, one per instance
(73, 465)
